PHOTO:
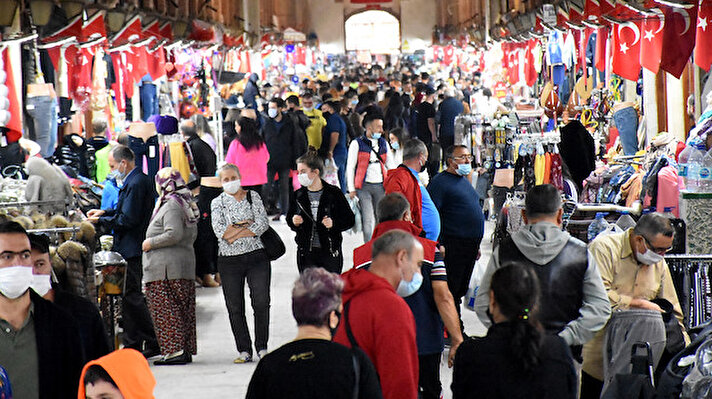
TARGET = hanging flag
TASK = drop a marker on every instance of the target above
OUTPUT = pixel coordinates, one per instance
(166, 31)
(12, 116)
(530, 74)
(626, 49)
(139, 60)
(592, 9)
(448, 53)
(703, 41)
(651, 46)
(130, 32)
(157, 63)
(678, 38)
(152, 29)
(601, 44)
(119, 81)
(93, 28)
(73, 28)
(562, 15)
(264, 41)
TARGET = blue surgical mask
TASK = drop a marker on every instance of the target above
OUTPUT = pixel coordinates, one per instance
(272, 112)
(395, 145)
(464, 169)
(408, 288)
(376, 136)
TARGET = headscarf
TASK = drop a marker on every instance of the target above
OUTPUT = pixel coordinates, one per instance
(170, 185)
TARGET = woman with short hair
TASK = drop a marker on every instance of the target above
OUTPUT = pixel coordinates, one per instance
(312, 366)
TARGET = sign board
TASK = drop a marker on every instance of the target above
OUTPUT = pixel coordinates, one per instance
(548, 12)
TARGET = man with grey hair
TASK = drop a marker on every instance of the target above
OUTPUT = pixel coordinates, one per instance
(377, 319)
(404, 179)
(203, 156)
(636, 277)
(129, 221)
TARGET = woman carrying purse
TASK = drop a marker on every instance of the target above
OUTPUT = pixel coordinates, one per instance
(238, 223)
(319, 214)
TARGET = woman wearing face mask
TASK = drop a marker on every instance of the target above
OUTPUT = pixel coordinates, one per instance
(395, 138)
(239, 219)
(249, 153)
(515, 359)
(169, 268)
(292, 370)
(319, 214)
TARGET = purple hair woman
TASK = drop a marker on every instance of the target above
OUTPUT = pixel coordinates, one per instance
(169, 268)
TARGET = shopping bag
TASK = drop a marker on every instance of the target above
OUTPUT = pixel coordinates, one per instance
(356, 209)
(331, 175)
(477, 273)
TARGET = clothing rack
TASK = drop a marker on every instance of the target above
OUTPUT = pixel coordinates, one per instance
(72, 229)
(66, 202)
(535, 138)
(691, 278)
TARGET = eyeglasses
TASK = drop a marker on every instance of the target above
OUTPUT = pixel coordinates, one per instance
(659, 251)
(466, 158)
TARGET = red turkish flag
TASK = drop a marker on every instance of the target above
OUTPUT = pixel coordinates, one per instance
(703, 41)
(166, 31)
(73, 28)
(157, 63)
(651, 46)
(562, 15)
(139, 60)
(152, 29)
(15, 109)
(93, 28)
(626, 49)
(448, 53)
(678, 38)
(530, 74)
(83, 83)
(118, 85)
(606, 6)
(601, 44)
(592, 8)
(130, 32)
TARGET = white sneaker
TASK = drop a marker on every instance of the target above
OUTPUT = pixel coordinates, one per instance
(243, 357)
(261, 354)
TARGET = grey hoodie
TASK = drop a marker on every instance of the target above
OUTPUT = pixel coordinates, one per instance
(541, 243)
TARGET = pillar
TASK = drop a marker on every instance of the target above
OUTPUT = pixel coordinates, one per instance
(675, 107)
(650, 102)
(251, 12)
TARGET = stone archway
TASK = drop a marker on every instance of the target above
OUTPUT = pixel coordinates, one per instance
(376, 31)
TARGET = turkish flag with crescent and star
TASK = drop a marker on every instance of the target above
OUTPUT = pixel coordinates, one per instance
(703, 41)
(626, 43)
(678, 38)
(651, 47)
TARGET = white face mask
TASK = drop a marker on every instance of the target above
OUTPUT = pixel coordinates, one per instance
(231, 187)
(304, 180)
(41, 283)
(308, 109)
(649, 257)
(15, 281)
(272, 112)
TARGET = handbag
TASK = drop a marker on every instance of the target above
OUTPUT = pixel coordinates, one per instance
(274, 246)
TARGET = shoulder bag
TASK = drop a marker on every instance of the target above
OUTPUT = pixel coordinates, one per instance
(274, 246)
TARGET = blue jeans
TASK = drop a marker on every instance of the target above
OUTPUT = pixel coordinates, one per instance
(43, 110)
(149, 100)
(626, 121)
(340, 161)
(141, 149)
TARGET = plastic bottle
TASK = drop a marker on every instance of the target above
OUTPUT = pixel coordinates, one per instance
(625, 221)
(597, 226)
(682, 165)
(705, 173)
(694, 164)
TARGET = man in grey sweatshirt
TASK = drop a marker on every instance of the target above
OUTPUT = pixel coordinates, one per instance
(573, 301)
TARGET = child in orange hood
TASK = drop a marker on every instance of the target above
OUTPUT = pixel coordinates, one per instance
(123, 374)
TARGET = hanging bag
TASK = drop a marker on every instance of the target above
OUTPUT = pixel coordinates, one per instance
(274, 246)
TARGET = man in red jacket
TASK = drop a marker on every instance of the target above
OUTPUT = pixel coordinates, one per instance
(377, 319)
(402, 180)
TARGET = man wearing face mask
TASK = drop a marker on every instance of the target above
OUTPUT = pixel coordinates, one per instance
(634, 273)
(366, 170)
(91, 325)
(129, 221)
(40, 345)
(431, 303)
(279, 132)
(376, 318)
(573, 302)
(333, 144)
(462, 219)
(316, 119)
(404, 179)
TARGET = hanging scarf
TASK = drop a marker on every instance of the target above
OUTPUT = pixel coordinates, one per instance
(173, 186)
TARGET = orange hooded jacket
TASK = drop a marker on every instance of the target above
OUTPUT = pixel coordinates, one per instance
(129, 370)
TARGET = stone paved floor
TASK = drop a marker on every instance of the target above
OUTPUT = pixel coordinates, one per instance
(212, 373)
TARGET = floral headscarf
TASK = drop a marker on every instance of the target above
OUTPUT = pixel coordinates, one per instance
(170, 185)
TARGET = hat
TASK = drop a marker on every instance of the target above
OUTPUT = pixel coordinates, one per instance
(428, 90)
(167, 124)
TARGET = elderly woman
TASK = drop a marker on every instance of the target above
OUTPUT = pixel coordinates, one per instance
(169, 268)
(312, 366)
(239, 219)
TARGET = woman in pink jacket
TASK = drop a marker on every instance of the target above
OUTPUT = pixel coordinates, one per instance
(249, 152)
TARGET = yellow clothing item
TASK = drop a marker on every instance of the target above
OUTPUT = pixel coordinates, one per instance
(539, 163)
(179, 160)
(314, 130)
(624, 280)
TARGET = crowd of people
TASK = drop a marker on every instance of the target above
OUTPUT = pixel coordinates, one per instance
(380, 329)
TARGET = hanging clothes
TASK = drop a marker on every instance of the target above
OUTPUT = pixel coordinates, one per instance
(577, 150)
(179, 160)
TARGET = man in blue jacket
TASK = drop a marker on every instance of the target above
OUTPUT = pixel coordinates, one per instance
(129, 221)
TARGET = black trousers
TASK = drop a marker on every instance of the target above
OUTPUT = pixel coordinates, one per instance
(253, 267)
(278, 190)
(429, 378)
(590, 386)
(460, 258)
(206, 244)
(319, 257)
(136, 320)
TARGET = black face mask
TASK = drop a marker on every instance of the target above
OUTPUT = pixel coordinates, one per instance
(423, 167)
(326, 115)
(333, 330)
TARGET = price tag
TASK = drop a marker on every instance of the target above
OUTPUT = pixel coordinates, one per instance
(152, 152)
